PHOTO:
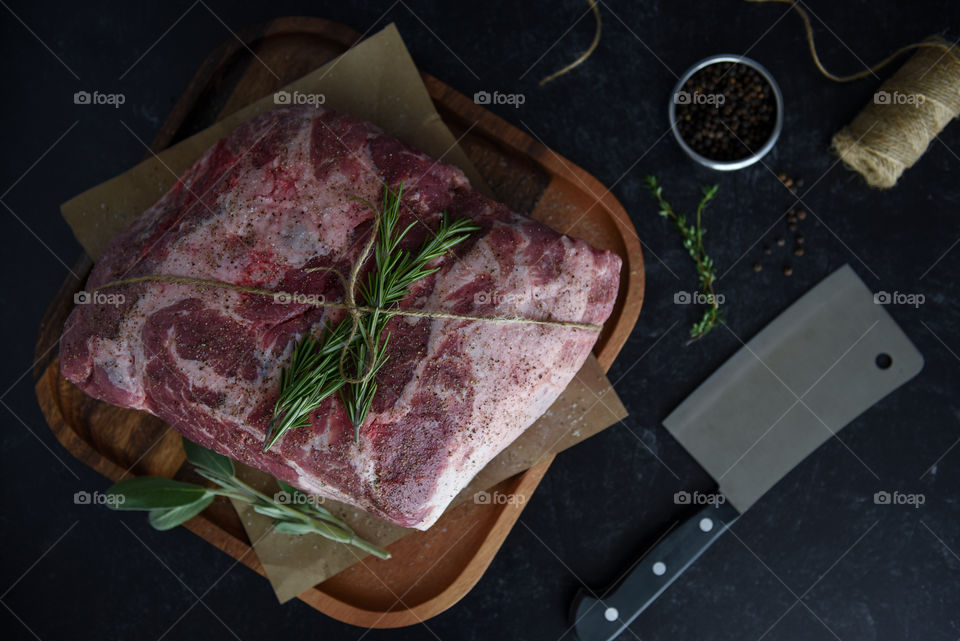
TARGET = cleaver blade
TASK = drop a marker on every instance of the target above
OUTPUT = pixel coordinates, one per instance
(821, 363)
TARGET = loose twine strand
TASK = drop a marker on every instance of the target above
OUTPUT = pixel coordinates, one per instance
(350, 305)
(893, 131)
(586, 54)
(808, 27)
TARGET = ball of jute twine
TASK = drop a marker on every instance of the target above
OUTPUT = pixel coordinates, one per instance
(909, 110)
(906, 114)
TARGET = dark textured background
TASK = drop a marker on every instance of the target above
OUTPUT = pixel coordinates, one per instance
(815, 559)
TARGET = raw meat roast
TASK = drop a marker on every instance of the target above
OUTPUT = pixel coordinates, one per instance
(276, 197)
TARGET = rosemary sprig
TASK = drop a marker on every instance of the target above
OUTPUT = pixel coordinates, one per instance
(171, 503)
(396, 271)
(692, 235)
(311, 378)
(347, 359)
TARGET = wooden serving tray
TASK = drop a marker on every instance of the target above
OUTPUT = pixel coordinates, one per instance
(432, 570)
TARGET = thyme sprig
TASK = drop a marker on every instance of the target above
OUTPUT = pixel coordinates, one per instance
(347, 358)
(171, 503)
(692, 235)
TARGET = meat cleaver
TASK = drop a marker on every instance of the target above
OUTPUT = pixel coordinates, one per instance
(816, 367)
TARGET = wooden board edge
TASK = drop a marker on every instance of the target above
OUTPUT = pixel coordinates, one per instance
(525, 483)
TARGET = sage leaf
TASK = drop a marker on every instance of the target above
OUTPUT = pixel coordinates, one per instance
(152, 492)
(270, 511)
(303, 502)
(293, 527)
(286, 487)
(326, 530)
(208, 459)
(170, 517)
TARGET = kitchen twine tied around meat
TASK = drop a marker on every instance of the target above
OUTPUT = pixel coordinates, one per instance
(349, 304)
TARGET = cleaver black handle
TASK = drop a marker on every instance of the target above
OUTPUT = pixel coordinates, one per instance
(605, 618)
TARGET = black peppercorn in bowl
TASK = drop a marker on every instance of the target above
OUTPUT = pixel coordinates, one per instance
(726, 112)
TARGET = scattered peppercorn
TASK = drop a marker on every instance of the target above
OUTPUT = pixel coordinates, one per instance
(789, 183)
(726, 111)
(792, 218)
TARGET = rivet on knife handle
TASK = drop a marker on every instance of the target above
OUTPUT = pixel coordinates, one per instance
(603, 619)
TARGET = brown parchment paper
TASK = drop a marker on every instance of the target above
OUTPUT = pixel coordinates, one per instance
(378, 81)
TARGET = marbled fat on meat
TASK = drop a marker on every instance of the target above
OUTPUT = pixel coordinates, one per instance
(277, 197)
